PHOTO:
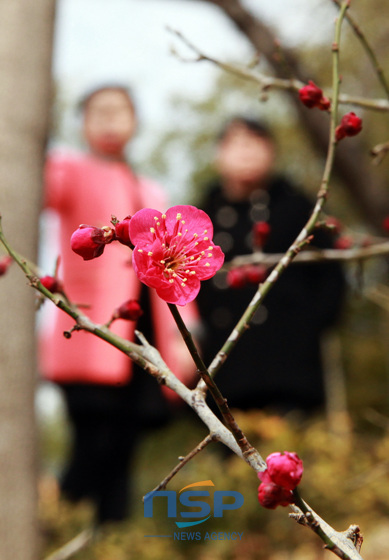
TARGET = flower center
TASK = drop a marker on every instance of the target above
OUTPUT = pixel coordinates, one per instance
(180, 256)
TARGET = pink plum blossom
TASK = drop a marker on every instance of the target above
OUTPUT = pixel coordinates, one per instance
(174, 251)
(285, 469)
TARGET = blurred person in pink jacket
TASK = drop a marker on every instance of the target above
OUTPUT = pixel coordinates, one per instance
(109, 399)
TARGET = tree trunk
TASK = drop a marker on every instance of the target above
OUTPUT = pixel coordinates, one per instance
(25, 61)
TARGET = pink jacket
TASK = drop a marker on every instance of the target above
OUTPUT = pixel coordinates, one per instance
(84, 189)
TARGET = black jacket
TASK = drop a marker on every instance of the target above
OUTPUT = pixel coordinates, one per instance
(277, 362)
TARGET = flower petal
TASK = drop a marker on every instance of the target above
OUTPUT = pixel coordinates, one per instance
(176, 293)
(140, 225)
(195, 220)
(208, 266)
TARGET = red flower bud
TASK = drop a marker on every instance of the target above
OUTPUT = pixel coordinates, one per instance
(255, 273)
(89, 241)
(5, 263)
(122, 231)
(334, 224)
(340, 133)
(52, 284)
(261, 231)
(324, 104)
(271, 495)
(129, 310)
(236, 278)
(285, 469)
(343, 242)
(350, 125)
(310, 95)
(385, 224)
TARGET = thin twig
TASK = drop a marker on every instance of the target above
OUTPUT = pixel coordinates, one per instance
(149, 359)
(345, 545)
(294, 249)
(369, 50)
(246, 448)
(266, 83)
(379, 152)
(379, 295)
(81, 541)
(312, 256)
(183, 461)
(134, 351)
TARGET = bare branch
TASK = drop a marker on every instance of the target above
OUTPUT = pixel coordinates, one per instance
(313, 255)
(81, 541)
(379, 152)
(267, 83)
(368, 48)
(183, 461)
(373, 203)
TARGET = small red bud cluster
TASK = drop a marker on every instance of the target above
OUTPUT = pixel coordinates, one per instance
(283, 474)
(312, 96)
(129, 310)
(385, 224)
(261, 231)
(52, 284)
(343, 242)
(5, 263)
(350, 125)
(89, 241)
(250, 274)
(334, 224)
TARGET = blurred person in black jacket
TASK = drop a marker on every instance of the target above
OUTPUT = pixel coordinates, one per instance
(277, 363)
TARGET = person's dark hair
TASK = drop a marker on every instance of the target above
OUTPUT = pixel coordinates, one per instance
(254, 126)
(114, 86)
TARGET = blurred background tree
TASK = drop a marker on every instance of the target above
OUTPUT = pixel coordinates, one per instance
(25, 96)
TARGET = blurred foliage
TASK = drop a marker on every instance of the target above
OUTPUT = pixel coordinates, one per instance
(345, 480)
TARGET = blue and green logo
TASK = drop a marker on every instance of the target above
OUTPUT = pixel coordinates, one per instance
(190, 497)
